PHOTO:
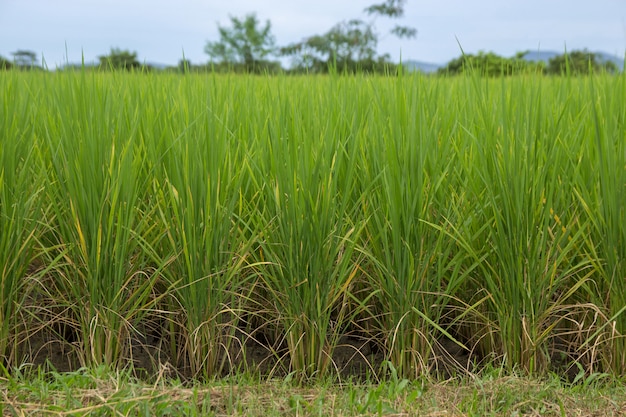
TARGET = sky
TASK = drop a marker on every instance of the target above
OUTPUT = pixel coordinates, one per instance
(161, 31)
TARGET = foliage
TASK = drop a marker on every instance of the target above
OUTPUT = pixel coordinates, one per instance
(491, 65)
(244, 45)
(5, 64)
(102, 392)
(579, 62)
(24, 59)
(20, 206)
(347, 46)
(260, 67)
(119, 59)
(393, 9)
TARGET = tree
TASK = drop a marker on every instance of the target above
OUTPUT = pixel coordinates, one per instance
(245, 45)
(579, 62)
(5, 64)
(491, 65)
(24, 59)
(348, 46)
(393, 9)
(119, 59)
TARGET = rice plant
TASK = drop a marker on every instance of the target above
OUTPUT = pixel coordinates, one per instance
(521, 188)
(21, 206)
(414, 265)
(601, 183)
(90, 134)
(198, 202)
(308, 223)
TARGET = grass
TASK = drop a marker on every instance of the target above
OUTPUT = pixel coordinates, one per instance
(200, 219)
(102, 392)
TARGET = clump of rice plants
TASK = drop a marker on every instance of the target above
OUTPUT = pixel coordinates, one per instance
(198, 200)
(415, 267)
(600, 185)
(93, 186)
(519, 180)
(21, 205)
(308, 223)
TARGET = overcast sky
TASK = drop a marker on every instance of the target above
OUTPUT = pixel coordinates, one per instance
(160, 30)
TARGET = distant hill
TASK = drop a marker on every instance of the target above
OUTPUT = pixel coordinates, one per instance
(157, 65)
(536, 56)
(425, 67)
(540, 56)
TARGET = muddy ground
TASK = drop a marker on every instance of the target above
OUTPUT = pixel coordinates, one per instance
(352, 358)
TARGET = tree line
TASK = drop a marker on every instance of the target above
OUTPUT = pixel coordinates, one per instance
(578, 62)
(248, 45)
(575, 62)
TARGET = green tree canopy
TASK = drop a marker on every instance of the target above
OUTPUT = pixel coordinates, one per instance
(490, 64)
(244, 45)
(5, 64)
(346, 45)
(579, 62)
(119, 59)
(24, 59)
(350, 45)
(393, 9)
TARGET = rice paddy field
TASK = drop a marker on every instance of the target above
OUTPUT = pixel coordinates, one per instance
(313, 227)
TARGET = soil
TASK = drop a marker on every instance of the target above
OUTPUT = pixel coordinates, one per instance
(352, 358)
